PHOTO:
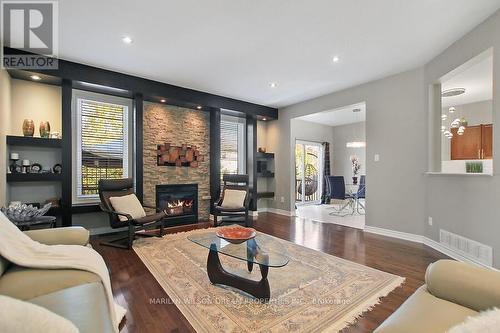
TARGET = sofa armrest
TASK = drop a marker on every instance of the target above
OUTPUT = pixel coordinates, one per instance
(468, 285)
(60, 236)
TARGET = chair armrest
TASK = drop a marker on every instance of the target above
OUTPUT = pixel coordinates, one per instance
(466, 284)
(60, 236)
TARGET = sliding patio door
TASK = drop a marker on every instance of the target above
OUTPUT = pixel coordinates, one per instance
(308, 172)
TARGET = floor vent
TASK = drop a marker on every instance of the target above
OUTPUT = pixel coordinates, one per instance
(467, 247)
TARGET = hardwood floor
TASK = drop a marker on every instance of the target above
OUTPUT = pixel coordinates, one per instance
(134, 286)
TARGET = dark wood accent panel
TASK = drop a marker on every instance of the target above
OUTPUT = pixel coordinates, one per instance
(151, 90)
(215, 115)
(134, 286)
(34, 177)
(15, 140)
(468, 145)
(67, 149)
(139, 146)
(251, 136)
(487, 141)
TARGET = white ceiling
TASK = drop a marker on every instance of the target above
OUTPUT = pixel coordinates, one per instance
(337, 117)
(235, 48)
(477, 81)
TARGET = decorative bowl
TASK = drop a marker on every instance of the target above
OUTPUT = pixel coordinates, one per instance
(24, 213)
(236, 235)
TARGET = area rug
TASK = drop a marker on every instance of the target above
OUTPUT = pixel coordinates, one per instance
(315, 292)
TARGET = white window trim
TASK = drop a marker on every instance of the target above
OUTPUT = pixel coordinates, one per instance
(78, 96)
(241, 146)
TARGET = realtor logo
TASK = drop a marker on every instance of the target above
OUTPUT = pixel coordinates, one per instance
(31, 27)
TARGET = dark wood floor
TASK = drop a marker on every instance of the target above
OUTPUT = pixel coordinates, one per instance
(134, 286)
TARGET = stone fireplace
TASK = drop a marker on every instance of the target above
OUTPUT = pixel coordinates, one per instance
(180, 202)
(176, 126)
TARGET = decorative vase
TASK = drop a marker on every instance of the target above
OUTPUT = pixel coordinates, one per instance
(44, 129)
(28, 127)
(355, 180)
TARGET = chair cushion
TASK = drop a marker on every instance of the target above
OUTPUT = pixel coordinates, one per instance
(4, 265)
(85, 306)
(423, 312)
(26, 283)
(234, 198)
(128, 204)
(24, 317)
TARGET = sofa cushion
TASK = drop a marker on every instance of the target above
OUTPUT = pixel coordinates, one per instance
(4, 265)
(60, 236)
(24, 317)
(423, 312)
(234, 199)
(128, 204)
(26, 283)
(84, 305)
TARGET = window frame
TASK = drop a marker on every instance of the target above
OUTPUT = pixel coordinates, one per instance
(128, 139)
(241, 141)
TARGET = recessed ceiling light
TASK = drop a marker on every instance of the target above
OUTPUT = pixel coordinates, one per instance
(273, 84)
(35, 77)
(199, 107)
(127, 40)
(162, 100)
(336, 59)
(453, 92)
(264, 119)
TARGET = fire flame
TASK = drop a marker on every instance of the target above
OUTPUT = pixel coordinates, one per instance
(180, 203)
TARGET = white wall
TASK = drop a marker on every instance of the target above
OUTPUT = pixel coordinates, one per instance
(400, 129)
(468, 205)
(341, 163)
(5, 112)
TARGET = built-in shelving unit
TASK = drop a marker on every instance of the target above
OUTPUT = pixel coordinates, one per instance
(13, 140)
(265, 171)
(33, 177)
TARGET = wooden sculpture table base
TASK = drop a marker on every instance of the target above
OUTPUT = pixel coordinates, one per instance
(218, 275)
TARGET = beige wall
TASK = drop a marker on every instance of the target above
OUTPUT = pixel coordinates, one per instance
(5, 114)
(340, 158)
(33, 100)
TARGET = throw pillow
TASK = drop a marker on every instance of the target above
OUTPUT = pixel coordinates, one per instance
(128, 204)
(24, 317)
(485, 322)
(234, 199)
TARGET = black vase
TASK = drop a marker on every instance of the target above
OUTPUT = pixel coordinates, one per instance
(355, 180)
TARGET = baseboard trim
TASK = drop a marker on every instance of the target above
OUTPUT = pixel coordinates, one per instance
(276, 211)
(426, 241)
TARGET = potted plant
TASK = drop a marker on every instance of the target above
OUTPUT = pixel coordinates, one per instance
(356, 166)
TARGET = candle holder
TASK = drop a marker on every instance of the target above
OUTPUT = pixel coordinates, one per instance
(14, 167)
(26, 166)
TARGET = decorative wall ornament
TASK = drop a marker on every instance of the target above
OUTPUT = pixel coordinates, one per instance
(28, 127)
(179, 156)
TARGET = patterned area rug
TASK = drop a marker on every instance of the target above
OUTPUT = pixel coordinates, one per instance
(315, 292)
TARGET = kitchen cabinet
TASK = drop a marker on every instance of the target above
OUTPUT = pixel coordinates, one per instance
(476, 143)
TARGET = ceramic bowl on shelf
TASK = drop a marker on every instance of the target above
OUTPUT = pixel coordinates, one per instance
(236, 235)
(24, 213)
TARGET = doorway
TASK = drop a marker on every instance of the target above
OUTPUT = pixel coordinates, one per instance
(308, 172)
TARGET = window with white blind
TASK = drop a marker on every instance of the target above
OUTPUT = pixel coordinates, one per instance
(233, 156)
(102, 142)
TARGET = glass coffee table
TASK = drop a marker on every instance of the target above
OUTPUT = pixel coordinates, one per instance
(262, 250)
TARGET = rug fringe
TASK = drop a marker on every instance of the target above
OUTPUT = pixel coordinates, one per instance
(353, 316)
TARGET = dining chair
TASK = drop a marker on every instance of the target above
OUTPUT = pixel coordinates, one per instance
(337, 196)
(360, 194)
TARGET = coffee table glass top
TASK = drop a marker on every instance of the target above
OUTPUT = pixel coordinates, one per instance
(263, 249)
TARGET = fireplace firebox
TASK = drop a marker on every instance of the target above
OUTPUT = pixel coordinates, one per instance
(180, 202)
